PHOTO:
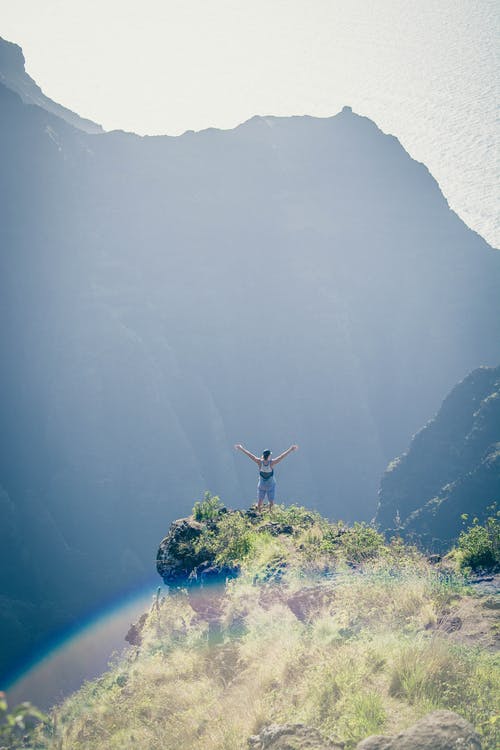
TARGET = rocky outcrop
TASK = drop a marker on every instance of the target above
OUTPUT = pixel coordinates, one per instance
(291, 737)
(177, 558)
(134, 633)
(180, 562)
(305, 602)
(439, 730)
(183, 560)
(452, 466)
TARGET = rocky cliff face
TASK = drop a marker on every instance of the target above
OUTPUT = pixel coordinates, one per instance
(452, 466)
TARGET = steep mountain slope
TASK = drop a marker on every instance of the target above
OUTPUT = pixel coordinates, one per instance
(161, 298)
(14, 76)
(452, 466)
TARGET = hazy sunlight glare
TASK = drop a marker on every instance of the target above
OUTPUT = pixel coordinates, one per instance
(425, 72)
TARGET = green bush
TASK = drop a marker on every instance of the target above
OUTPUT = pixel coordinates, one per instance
(207, 509)
(229, 543)
(479, 546)
(361, 542)
(18, 725)
(296, 516)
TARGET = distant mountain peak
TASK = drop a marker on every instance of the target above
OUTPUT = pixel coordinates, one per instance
(11, 56)
(14, 76)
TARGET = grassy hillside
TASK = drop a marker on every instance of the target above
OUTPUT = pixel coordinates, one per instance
(325, 624)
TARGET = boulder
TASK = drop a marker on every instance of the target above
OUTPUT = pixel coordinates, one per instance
(134, 634)
(439, 730)
(177, 556)
(308, 600)
(291, 737)
(181, 564)
(275, 528)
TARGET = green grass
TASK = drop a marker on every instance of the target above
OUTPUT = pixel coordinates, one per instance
(325, 624)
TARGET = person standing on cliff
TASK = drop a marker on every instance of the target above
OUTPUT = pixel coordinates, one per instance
(266, 464)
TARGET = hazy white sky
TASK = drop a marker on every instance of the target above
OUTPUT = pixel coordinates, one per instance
(424, 70)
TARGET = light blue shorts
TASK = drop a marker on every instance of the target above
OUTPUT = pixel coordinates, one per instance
(266, 487)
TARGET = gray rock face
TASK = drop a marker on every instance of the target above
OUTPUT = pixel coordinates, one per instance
(439, 730)
(134, 634)
(176, 558)
(291, 737)
(181, 563)
(452, 466)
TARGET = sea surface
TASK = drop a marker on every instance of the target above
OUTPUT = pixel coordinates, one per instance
(442, 100)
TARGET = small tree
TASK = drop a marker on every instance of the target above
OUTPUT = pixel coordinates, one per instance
(207, 509)
(17, 726)
(479, 546)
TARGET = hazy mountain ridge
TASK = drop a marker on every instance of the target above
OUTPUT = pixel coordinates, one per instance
(14, 76)
(294, 278)
(452, 466)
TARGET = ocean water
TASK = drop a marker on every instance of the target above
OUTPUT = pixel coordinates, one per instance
(442, 101)
(426, 72)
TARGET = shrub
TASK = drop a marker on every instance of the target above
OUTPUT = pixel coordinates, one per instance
(479, 546)
(18, 725)
(361, 542)
(207, 509)
(296, 516)
(229, 543)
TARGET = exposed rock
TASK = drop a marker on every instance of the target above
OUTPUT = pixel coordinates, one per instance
(179, 561)
(471, 622)
(452, 466)
(434, 559)
(492, 602)
(449, 623)
(306, 601)
(208, 573)
(291, 737)
(253, 515)
(486, 584)
(439, 730)
(177, 557)
(134, 635)
(275, 529)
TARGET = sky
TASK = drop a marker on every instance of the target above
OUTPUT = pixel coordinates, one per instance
(425, 71)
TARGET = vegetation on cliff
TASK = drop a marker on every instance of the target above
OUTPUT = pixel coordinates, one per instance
(323, 623)
(452, 466)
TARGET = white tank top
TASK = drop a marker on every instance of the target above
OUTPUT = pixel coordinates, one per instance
(266, 467)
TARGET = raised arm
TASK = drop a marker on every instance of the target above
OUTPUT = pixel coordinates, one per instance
(239, 447)
(283, 455)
